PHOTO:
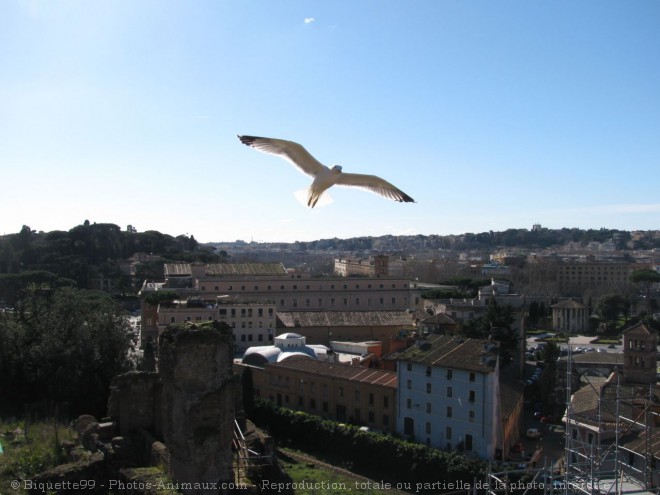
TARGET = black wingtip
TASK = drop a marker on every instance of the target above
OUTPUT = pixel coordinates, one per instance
(247, 140)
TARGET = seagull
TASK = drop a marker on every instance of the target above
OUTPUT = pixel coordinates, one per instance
(324, 177)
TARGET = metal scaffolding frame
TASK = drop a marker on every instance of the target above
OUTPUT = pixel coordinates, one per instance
(590, 467)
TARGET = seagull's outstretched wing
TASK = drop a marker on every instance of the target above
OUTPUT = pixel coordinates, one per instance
(290, 151)
(374, 184)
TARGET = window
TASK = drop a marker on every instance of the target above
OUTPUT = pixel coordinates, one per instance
(448, 433)
(386, 402)
(386, 420)
(468, 442)
(409, 384)
(325, 407)
(428, 371)
(450, 374)
(428, 428)
(473, 376)
(471, 416)
(409, 366)
(357, 395)
(312, 403)
(449, 411)
(341, 391)
(450, 392)
(428, 408)
(428, 388)
(370, 416)
(408, 403)
(371, 399)
(472, 396)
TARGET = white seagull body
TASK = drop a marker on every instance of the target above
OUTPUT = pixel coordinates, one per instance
(324, 177)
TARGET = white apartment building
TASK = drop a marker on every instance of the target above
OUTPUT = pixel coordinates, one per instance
(448, 395)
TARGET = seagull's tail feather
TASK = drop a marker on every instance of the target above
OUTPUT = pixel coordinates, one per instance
(303, 198)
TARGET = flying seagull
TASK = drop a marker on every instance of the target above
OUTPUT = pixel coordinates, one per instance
(324, 177)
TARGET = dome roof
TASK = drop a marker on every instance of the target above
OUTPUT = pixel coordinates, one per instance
(286, 345)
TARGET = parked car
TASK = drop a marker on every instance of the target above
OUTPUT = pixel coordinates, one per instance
(533, 433)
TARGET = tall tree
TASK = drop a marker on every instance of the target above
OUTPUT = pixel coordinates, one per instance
(69, 354)
(645, 279)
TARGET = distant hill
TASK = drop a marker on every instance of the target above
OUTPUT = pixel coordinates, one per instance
(540, 238)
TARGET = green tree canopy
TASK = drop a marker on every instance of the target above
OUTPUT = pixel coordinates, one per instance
(69, 354)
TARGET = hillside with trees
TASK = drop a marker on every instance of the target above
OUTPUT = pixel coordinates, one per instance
(92, 250)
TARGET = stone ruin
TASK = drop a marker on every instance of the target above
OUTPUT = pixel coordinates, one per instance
(190, 403)
(172, 428)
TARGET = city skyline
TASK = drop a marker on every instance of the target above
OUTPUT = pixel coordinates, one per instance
(492, 116)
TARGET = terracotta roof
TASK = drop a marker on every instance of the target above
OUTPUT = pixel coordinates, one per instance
(637, 442)
(639, 329)
(453, 352)
(439, 318)
(608, 359)
(292, 319)
(224, 269)
(340, 370)
(177, 270)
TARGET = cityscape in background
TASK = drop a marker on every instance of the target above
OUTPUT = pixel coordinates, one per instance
(540, 359)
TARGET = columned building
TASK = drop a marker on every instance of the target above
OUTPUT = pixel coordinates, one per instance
(570, 316)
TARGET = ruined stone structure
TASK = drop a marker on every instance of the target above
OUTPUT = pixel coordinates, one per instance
(189, 403)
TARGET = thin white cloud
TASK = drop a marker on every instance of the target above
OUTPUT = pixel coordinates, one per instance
(309, 20)
(619, 209)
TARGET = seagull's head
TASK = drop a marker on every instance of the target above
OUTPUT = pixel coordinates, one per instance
(337, 168)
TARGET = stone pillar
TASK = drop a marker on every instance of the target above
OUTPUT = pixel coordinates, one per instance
(132, 403)
(198, 404)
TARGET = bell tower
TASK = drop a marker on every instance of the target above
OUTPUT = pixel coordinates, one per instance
(640, 354)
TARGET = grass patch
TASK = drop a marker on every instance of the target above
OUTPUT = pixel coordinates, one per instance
(606, 341)
(28, 454)
(312, 478)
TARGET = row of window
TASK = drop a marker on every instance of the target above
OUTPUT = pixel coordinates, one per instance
(449, 411)
(308, 287)
(250, 338)
(449, 372)
(450, 390)
(467, 441)
(278, 380)
(345, 302)
(249, 324)
(246, 312)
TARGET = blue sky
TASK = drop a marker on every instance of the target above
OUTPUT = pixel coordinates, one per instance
(490, 114)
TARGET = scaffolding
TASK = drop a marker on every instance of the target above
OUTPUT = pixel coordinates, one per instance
(246, 458)
(595, 463)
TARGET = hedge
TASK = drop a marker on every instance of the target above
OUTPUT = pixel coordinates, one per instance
(373, 454)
